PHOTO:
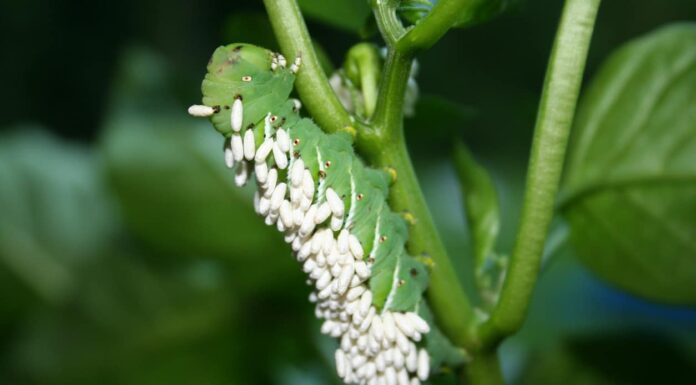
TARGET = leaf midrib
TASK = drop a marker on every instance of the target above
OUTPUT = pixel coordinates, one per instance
(570, 198)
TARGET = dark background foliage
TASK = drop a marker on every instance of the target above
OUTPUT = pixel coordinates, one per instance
(127, 257)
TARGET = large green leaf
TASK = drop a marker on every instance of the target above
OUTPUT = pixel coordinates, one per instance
(630, 187)
(175, 192)
(167, 173)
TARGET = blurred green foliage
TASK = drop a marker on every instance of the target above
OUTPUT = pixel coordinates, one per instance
(631, 180)
(127, 258)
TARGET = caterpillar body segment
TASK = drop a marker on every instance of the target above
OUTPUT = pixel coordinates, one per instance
(332, 210)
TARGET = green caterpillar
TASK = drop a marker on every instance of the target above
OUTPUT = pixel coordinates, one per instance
(331, 208)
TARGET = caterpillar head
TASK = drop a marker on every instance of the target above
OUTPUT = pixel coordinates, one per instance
(242, 84)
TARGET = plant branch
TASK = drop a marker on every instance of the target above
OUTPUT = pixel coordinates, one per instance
(483, 369)
(312, 85)
(388, 22)
(392, 91)
(554, 120)
(382, 143)
(447, 298)
(433, 26)
(384, 146)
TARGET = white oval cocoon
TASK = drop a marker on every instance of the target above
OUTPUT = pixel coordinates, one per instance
(200, 111)
(283, 140)
(271, 181)
(343, 241)
(297, 172)
(404, 324)
(249, 144)
(261, 171)
(286, 214)
(242, 175)
(228, 154)
(237, 114)
(355, 247)
(323, 213)
(389, 326)
(335, 202)
(418, 323)
(264, 149)
(365, 302)
(279, 156)
(237, 145)
(423, 365)
(278, 196)
(308, 184)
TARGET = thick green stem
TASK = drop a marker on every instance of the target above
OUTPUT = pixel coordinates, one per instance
(447, 298)
(554, 120)
(389, 111)
(312, 84)
(384, 146)
(483, 369)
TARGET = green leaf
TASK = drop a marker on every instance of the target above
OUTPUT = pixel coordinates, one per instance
(54, 211)
(484, 11)
(483, 217)
(167, 173)
(480, 201)
(478, 12)
(350, 15)
(630, 187)
(176, 193)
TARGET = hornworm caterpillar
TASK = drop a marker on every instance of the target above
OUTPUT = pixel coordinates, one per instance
(332, 210)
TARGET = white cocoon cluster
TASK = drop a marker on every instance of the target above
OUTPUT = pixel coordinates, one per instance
(376, 347)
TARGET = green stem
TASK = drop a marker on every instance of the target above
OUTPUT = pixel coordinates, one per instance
(387, 21)
(389, 111)
(312, 84)
(384, 146)
(484, 369)
(433, 26)
(446, 296)
(362, 66)
(554, 120)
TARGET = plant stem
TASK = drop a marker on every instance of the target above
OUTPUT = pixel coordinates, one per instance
(388, 23)
(554, 120)
(483, 369)
(389, 111)
(312, 85)
(384, 146)
(447, 299)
